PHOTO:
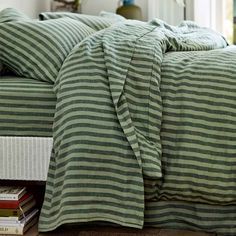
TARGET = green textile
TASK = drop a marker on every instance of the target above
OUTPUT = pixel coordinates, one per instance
(198, 188)
(109, 126)
(26, 107)
(95, 22)
(193, 216)
(198, 129)
(37, 49)
(11, 14)
(102, 142)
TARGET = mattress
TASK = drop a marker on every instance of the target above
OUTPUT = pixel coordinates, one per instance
(26, 107)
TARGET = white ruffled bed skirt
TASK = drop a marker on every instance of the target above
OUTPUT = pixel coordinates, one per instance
(24, 158)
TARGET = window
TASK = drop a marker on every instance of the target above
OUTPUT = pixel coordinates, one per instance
(217, 15)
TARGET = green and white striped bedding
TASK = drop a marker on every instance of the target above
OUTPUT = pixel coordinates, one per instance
(11, 14)
(37, 49)
(198, 188)
(95, 22)
(128, 110)
(193, 216)
(199, 126)
(26, 107)
(143, 129)
(100, 154)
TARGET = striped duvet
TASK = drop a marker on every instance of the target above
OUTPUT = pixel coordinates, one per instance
(144, 130)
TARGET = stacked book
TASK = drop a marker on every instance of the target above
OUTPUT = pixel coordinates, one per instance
(17, 210)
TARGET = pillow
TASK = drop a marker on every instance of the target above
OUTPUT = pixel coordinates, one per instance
(37, 49)
(8, 15)
(111, 15)
(95, 22)
(11, 14)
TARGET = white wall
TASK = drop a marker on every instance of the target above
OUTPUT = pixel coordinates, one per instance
(167, 10)
(30, 7)
(33, 7)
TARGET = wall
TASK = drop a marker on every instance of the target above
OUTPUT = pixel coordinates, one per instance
(167, 10)
(92, 7)
(29, 7)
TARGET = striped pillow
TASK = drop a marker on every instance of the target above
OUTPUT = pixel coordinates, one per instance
(95, 22)
(11, 14)
(37, 49)
(8, 15)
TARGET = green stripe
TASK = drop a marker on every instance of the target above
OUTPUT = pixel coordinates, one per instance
(25, 112)
(192, 216)
(37, 49)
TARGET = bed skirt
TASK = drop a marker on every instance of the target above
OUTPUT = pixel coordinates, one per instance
(24, 158)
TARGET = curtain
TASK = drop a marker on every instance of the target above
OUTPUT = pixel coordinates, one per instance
(167, 10)
(209, 13)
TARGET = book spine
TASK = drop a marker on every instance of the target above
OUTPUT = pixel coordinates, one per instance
(9, 219)
(12, 205)
(15, 220)
(8, 197)
(18, 230)
(10, 212)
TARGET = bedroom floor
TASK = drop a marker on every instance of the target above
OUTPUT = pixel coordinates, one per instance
(109, 231)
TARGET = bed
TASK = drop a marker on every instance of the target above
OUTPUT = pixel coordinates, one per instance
(142, 118)
(27, 110)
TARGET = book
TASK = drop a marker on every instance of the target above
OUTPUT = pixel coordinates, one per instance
(13, 204)
(11, 192)
(19, 212)
(21, 227)
(22, 221)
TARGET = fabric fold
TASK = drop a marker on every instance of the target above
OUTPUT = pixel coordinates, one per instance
(135, 93)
